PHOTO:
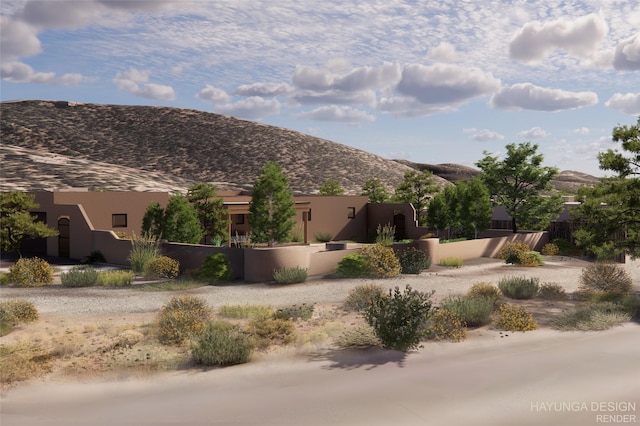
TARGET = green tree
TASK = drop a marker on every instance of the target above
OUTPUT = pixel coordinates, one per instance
(213, 216)
(271, 209)
(375, 190)
(475, 207)
(609, 213)
(416, 189)
(517, 182)
(331, 187)
(178, 222)
(17, 224)
(437, 213)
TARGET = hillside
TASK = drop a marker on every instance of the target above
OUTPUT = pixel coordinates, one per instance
(59, 144)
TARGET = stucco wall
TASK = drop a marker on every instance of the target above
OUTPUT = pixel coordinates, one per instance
(192, 256)
(114, 249)
(329, 214)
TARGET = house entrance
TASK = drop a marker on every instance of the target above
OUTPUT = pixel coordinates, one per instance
(399, 223)
(63, 237)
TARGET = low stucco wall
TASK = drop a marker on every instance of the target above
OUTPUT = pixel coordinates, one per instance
(259, 263)
(192, 256)
(325, 262)
(114, 249)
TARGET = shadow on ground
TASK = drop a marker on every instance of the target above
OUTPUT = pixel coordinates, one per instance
(369, 358)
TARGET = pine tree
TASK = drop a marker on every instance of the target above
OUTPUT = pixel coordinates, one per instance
(376, 192)
(213, 216)
(17, 224)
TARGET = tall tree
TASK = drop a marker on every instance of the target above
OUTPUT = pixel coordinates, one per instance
(331, 187)
(213, 216)
(475, 206)
(375, 190)
(609, 213)
(178, 222)
(17, 224)
(517, 183)
(438, 213)
(416, 189)
(271, 209)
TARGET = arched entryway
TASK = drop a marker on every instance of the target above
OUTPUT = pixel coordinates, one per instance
(63, 237)
(399, 223)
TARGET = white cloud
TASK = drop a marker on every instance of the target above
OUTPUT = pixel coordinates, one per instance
(533, 133)
(342, 114)
(444, 52)
(627, 55)
(264, 89)
(136, 82)
(362, 97)
(483, 135)
(213, 94)
(407, 106)
(530, 97)
(628, 103)
(445, 84)
(23, 73)
(253, 107)
(581, 131)
(361, 78)
(17, 40)
(580, 38)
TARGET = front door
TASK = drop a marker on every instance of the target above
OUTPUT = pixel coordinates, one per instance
(63, 237)
(399, 223)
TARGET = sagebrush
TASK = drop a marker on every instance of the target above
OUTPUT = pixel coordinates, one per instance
(182, 318)
(294, 275)
(221, 344)
(31, 272)
(382, 261)
(519, 287)
(606, 277)
(474, 311)
(360, 297)
(413, 261)
(514, 318)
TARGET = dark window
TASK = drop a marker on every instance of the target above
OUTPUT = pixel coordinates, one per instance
(119, 220)
(239, 220)
(351, 212)
(308, 216)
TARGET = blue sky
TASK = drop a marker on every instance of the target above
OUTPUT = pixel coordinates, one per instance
(427, 81)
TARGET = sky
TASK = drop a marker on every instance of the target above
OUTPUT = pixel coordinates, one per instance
(427, 81)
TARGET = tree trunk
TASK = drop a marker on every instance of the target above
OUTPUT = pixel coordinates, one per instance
(513, 225)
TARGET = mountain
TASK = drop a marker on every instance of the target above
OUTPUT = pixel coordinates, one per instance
(60, 144)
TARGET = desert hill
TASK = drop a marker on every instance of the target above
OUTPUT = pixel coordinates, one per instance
(59, 144)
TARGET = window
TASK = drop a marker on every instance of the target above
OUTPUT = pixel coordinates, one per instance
(308, 215)
(119, 220)
(239, 219)
(351, 212)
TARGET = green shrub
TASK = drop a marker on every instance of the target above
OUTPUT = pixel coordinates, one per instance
(591, 317)
(606, 277)
(360, 297)
(512, 251)
(353, 265)
(453, 262)
(143, 250)
(385, 235)
(17, 311)
(550, 249)
(95, 256)
(324, 237)
(382, 261)
(564, 246)
(413, 261)
(552, 291)
(486, 291)
(115, 278)
(182, 318)
(272, 331)
(295, 312)
(473, 311)
(162, 267)
(79, 276)
(290, 275)
(31, 272)
(445, 324)
(519, 287)
(216, 267)
(221, 344)
(358, 337)
(399, 319)
(514, 318)
(531, 259)
(254, 312)
(5, 278)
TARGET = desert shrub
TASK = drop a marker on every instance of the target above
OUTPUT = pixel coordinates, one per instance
(519, 287)
(162, 267)
(115, 278)
(182, 318)
(95, 256)
(530, 259)
(474, 311)
(143, 250)
(382, 261)
(294, 312)
(290, 275)
(79, 276)
(453, 262)
(31, 272)
(221, 344)
(254, 312)
(564, 246)
(514, 318)
(385, 235)
(511, 252)
(550, 249)
(413, 261)
(486, 291)
(23, 361)
(360, 297)
(324, 237)
(445, 324)
(272, 331)
(353, 265)
(591, 317)
(4, 278)
(216, 267)
(552, 291)
(629, 303)
(399, 319)
(16, 311)
(606, 277)
(358, 337)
